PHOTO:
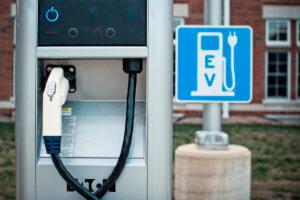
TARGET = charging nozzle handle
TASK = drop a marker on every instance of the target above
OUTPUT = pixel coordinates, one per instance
(54, 96)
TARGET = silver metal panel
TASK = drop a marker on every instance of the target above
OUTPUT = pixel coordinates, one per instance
(91, 52)
(26, 36)
(96, 129)
(102, 80)
(131, 185)
(159, 99)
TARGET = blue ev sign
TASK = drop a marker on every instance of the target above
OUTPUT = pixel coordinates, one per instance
(214, 64)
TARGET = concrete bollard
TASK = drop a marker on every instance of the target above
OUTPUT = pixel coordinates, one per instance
(212, 174)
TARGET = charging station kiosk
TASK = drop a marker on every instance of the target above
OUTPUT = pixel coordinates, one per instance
(82, 47)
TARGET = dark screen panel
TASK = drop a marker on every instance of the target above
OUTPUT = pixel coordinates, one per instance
(92, 23)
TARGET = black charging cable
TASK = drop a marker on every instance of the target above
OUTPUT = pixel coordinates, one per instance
(67, 176)
(132, 67)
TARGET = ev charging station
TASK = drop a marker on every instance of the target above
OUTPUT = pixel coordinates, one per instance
(94, 99)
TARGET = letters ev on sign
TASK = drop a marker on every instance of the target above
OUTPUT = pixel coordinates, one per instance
(214, 64)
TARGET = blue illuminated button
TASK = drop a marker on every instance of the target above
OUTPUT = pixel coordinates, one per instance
(52, 15)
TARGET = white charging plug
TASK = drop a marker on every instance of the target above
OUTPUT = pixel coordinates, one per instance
(54, 96)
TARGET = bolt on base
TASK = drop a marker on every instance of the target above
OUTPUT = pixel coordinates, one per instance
(212, 140)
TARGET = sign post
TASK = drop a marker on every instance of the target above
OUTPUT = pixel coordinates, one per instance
(211, 115)
(214, 65)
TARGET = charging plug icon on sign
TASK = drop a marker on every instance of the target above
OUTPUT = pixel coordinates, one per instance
(214, 64)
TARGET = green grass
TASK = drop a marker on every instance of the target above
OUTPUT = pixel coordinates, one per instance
(7, 162)
(275, 157)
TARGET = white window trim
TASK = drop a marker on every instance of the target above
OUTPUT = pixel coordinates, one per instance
(278, 43)
(181, 10)
(275, 99)
(297, 33)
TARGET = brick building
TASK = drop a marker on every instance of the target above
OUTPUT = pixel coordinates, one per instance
(7, 24)
(276, 50)
(276, 73)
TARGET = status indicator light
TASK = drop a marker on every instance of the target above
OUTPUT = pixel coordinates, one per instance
(52, 15)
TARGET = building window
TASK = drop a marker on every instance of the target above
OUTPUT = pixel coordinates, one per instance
(278, 32)
(298, 32)
(277, 75)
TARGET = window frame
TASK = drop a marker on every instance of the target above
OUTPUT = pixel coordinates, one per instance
(288, 96)
(278, 43)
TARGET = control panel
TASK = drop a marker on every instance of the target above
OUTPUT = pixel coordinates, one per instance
(92, 23)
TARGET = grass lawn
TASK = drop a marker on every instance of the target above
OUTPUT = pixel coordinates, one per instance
(275, 157)
(7, 162)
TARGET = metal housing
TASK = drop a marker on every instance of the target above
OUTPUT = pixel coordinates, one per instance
(36, 178)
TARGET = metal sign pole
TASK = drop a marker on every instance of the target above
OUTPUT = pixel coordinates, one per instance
(211, 137)
(212, 117)
(212, 111)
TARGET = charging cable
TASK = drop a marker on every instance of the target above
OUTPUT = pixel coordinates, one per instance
(132, 67)
(232, 41)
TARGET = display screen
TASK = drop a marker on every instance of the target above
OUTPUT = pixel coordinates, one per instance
(92, 23)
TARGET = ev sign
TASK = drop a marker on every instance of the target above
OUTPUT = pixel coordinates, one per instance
(214, 64)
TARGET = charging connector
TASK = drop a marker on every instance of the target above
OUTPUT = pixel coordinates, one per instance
(132, 65)
(54, 97)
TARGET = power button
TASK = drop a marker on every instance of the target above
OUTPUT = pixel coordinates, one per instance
(52, 15)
